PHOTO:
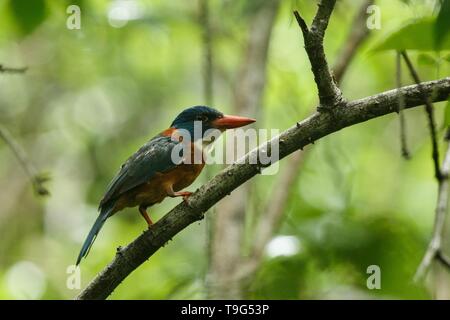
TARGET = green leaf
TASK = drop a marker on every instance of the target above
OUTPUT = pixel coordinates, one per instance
(426, 59)
(447, 114)
(28, 14)
(442, 25)
(417, 35)
(446, 57)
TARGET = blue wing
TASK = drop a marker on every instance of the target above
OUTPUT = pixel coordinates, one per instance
(153, 157)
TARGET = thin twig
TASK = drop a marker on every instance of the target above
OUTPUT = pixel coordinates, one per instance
(441, 176)
(12, 70)
(430, 114)
(301, 23)
(401, 106)
(442, 258)
(37, 179)
(434, 247)
(329, 93)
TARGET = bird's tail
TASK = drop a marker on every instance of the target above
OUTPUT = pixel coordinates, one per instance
(104, 214)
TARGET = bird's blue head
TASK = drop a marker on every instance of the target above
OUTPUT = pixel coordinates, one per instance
(209, 118)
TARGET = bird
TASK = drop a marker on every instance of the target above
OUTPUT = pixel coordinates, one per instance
(151, 174)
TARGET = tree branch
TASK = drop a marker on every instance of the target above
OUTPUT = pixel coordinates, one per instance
(401, 114)
(272, 215)
(228, 232)
(329, 93)
(271, 218)
(303, 133)
(431, 122)
(12, 70)
(37, 179)
(434, 247)
(208, 94)
(442, 258)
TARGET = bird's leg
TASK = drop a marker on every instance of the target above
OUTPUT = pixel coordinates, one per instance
(143, 211)
(184, 194)
(173, 194)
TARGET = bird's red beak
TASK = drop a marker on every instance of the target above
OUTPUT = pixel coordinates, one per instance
(230, 122)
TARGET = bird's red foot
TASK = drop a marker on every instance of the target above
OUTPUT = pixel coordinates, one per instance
(186, 195)
(144, 214)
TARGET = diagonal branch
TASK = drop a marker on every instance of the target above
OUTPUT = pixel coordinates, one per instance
(272, 216)
(303, 133)
(402, 120)
(441, 174)
(12, 70)
(435, 245)
(442, 258)
(329, 93)
(273, 213)
(37, 179)
(228, 233)
(431, 122)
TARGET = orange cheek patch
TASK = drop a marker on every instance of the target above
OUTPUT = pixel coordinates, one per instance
(168, 132)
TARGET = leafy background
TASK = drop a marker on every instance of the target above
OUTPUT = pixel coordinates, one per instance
(91, 97)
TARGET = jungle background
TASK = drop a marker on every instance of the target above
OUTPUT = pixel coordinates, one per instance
(91, 96)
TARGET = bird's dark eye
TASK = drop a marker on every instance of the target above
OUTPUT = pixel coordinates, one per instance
(201, 117)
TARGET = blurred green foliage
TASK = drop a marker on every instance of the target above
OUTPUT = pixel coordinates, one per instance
(442, 26)
(28, 14)
(417, 35)
(92, 96)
